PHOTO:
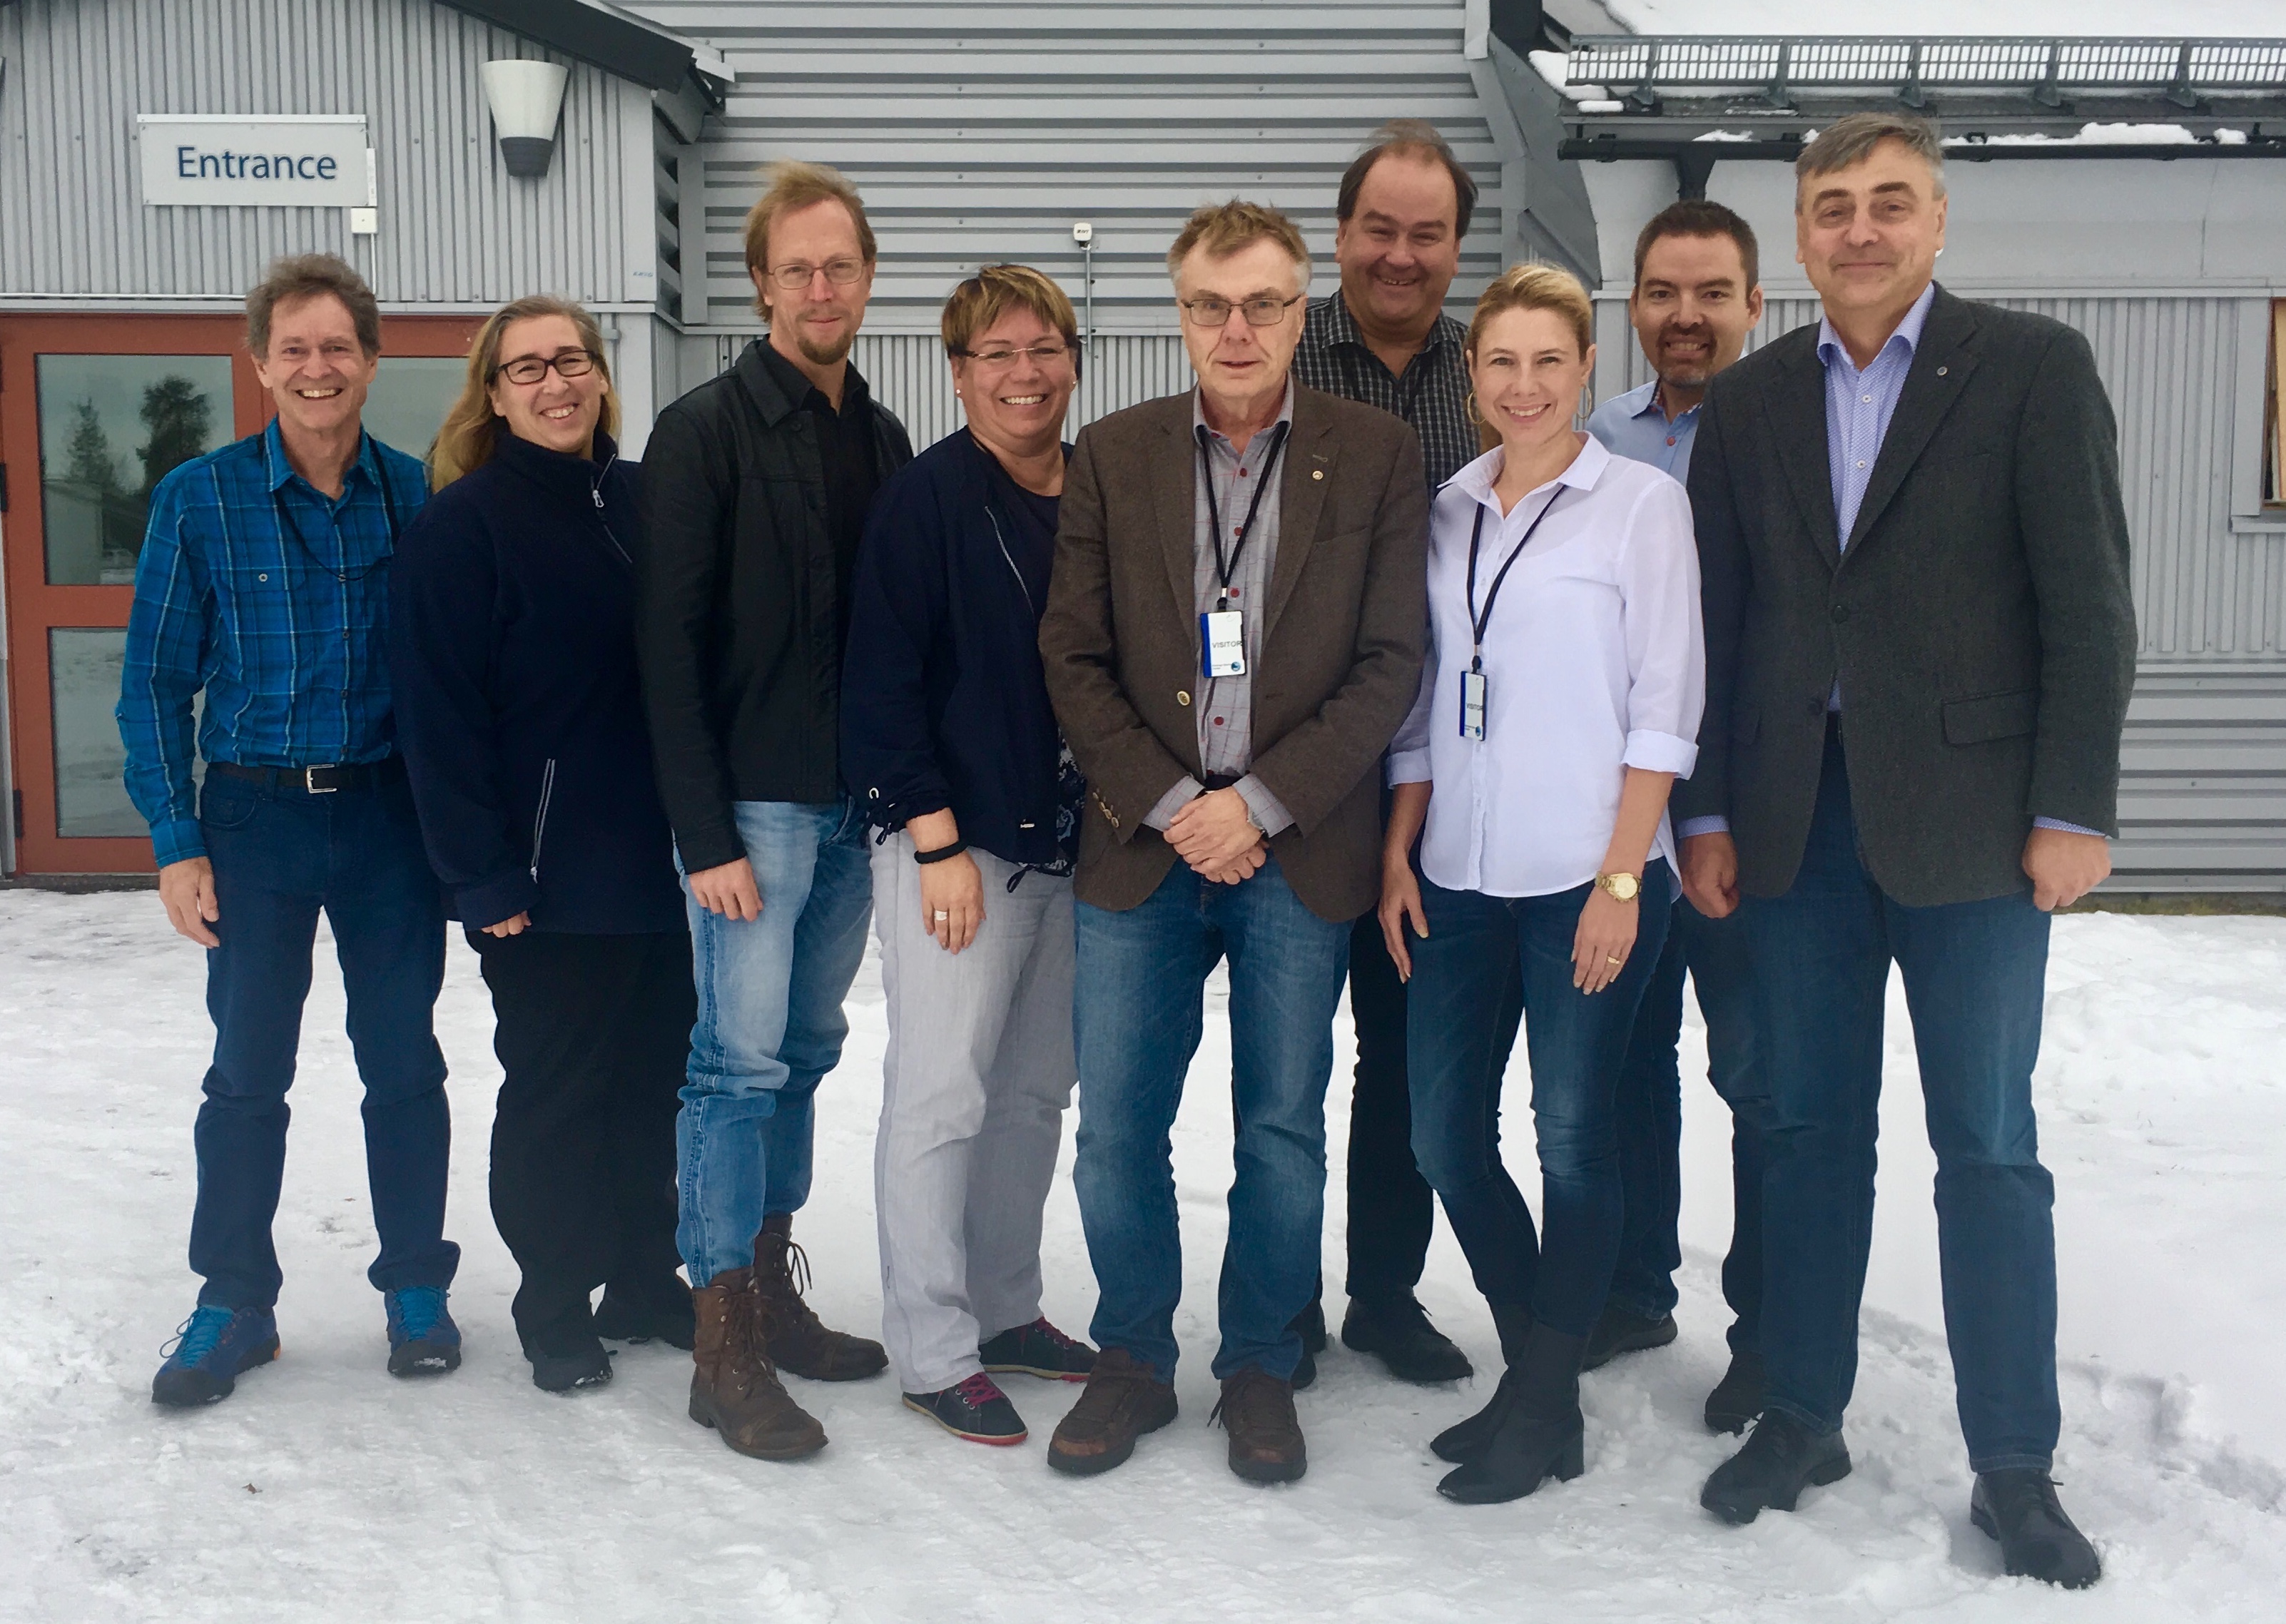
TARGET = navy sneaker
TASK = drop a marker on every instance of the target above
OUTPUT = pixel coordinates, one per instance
(422, 1339)
(213, 1348)
(976, 1409)
(1038, 1349)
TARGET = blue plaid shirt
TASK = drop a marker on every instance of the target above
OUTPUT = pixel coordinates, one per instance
(274, 598)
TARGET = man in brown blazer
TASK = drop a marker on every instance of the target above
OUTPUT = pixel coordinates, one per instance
(1233, 631)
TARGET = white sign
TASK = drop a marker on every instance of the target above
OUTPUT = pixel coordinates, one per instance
(313, 160)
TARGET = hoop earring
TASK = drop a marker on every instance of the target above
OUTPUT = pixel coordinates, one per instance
(1470, 409)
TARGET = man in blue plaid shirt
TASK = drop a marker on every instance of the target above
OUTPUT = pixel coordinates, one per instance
(262, 583)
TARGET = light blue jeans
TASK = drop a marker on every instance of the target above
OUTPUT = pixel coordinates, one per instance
(769, 1026)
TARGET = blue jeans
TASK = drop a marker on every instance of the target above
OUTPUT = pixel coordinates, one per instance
(1576, 1041)
(1137, 1017)
(1650, 1123)
(280, 856)
(769, 1026)
(1975, 974)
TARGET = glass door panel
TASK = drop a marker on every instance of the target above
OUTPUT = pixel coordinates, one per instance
(83, 664)
(111, 428)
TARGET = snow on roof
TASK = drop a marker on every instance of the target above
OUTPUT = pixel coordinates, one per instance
(2150, 19)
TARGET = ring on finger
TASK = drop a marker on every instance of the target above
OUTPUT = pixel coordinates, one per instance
(942, 916)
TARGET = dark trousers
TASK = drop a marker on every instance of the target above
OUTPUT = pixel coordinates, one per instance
(1974, 976)
(593, 1033)
(1650, 1123)
(1391, 1209)
(280, 856)
(1577, 1043)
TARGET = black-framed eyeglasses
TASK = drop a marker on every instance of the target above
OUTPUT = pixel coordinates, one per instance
(795, 276)
(532, 369)
(1046, 355)
(1268, 310)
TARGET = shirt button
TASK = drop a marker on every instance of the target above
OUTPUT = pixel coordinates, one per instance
(1670, 439)
(1840, 613)
(263, 576)
(1868, 400)
(1861, 461)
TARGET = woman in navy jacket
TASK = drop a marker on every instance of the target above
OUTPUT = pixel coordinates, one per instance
(512, 662)
(947, 737)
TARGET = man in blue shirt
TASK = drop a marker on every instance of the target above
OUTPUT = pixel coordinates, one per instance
(1698, 294)
(262, 583)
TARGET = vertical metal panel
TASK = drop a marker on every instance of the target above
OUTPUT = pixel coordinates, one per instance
(908, 372)
(455, 228)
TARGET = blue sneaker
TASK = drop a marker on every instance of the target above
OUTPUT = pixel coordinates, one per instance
(212, 1349)
(422, 1339)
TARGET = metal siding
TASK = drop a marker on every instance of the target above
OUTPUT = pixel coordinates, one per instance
(455, 229)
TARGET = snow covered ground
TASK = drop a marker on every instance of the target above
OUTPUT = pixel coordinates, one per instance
(328, 1490)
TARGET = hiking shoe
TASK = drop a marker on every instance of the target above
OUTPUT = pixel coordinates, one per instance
(1123, 1399)
(1737, 1398)
(1781, 1459)
(566, 1355)
(1399, 1333)
(659, 1311)
(1265, 1436)
(734, 1388)
(976, 1409)
(422, 1339)
(796, 1338)
(2018, 1507)
(212, 1349)
(1622, 1330)
(1038, 1349)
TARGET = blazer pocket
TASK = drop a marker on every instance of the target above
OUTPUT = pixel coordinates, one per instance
(1991, 717)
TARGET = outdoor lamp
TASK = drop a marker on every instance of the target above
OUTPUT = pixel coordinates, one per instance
(526, 98)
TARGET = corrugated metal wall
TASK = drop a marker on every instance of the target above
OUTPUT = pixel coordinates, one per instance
(456, 229)
(982, 130)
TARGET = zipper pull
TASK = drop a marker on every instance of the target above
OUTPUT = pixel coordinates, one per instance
(598, 493)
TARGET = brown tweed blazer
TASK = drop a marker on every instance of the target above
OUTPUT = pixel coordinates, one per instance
(1346, 625)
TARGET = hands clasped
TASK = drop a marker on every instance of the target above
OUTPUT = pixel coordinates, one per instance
(1214, 833)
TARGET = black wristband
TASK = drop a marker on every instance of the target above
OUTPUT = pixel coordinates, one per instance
(941, 853)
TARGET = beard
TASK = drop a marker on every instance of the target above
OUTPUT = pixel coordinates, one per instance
(829, 354)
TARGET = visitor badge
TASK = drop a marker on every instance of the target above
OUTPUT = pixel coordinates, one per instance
(1222, 640)
(1472, 705)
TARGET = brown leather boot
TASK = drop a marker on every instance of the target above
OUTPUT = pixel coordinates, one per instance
(733, 1387)
(795, 1337)
(1265, 1435)
(1122, 1401)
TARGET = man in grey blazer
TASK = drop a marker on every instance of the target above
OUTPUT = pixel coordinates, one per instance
(1919, 646)
(1234, 632)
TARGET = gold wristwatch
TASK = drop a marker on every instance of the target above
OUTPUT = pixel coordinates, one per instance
(1620, 888)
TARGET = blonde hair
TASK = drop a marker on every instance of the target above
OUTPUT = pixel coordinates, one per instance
(471, 429)
(993, 291)
(795, 184)
(1534, 286)
(1222, 229)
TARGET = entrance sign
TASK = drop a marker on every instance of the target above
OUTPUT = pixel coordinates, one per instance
(313, 161)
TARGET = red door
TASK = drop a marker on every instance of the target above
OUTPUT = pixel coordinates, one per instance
(93, 411)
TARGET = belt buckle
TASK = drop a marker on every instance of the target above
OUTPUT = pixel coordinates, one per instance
(309, 781)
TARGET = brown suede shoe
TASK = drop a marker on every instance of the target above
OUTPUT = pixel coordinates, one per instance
(1265, 1436)
(733, 1388)
(797, 1340)
(1122, 1401)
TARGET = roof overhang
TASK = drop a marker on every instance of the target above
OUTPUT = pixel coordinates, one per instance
(606, 36)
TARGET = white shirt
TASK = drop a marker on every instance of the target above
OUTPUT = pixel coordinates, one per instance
(1594, 660)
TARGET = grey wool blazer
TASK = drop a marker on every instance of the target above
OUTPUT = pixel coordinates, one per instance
(1346, 623)
(1979, 621)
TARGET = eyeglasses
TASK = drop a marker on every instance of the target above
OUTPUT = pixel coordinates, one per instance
(1266, 312)
(797, 276)
(532, 369)
(1046, 355)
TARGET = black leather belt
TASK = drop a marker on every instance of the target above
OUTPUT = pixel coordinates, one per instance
(315, 780)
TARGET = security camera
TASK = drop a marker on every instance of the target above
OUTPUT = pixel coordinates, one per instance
(1083, 233)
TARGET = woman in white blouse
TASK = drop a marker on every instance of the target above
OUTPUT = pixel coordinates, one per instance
(1559, 704)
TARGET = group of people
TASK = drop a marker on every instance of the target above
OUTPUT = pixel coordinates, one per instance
(1358, 663)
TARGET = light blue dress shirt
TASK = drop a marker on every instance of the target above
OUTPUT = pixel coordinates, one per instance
(1633, 426)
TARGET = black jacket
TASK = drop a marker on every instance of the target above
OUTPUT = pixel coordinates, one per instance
(512, 663)
(1979, 621)
(738, 622)
(943, 703)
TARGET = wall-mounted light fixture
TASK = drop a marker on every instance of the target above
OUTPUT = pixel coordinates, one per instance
(526, 98)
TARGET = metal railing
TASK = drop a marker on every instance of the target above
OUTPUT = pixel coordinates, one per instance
(1777, 66)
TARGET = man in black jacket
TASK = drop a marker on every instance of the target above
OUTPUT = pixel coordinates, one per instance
(1919, 646)
(758, 485)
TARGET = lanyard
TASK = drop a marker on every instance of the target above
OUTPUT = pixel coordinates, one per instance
(1478, 620)
(1224, 567)
(286, 522)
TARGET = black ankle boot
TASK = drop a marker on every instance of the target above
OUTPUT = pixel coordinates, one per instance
(1541, 1435)
(1464, 1441)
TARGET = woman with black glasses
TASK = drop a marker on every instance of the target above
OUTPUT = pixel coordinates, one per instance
(512, 654)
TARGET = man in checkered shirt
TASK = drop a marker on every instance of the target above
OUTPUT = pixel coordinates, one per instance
(1385, 341)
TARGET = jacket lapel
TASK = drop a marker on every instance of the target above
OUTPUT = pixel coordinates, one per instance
(1940, 369)
(1174, 497)
(1797, 419)
(1308, 459)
